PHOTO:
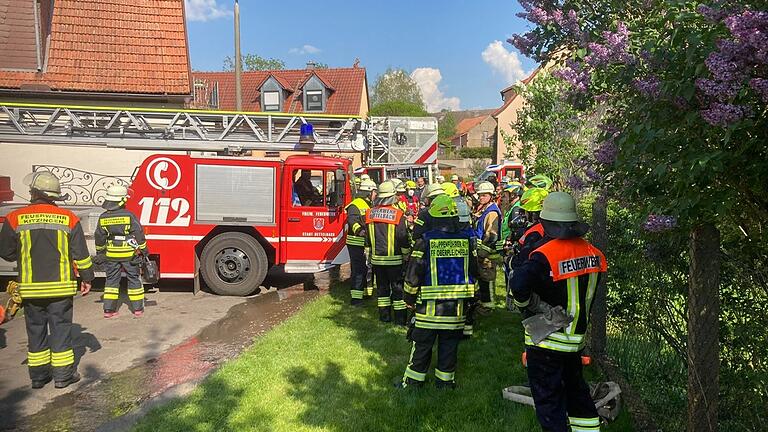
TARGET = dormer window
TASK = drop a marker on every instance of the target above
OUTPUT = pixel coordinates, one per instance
(315, 95)
(271, 95)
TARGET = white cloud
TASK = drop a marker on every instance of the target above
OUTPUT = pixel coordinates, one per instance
(205, 10)
(305, 49)
(428, 80)
(503, 62)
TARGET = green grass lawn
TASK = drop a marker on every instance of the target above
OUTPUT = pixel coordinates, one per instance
(331, 367)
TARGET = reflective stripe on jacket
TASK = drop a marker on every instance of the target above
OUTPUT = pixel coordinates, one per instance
(356, 221)
(571, 269)
(48, 243)
(440, 278)
(116, 228)
(388, 235)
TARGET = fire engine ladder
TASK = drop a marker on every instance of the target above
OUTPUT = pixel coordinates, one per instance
(178, 129)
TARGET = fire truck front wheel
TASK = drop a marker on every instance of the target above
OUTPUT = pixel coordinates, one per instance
(233, 264)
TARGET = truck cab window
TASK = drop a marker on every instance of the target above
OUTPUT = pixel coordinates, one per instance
(330, 187)
(308, 188)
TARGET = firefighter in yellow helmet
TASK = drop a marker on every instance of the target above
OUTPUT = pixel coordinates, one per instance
(390, 246)
(552, 288)
(531, 202)
(356, 238)
(423, 220)
(49, 245)
(440, 279)
(120, 244)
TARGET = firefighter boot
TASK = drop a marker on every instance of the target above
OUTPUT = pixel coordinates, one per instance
(73, 379)
(385, 314)
(401, 316)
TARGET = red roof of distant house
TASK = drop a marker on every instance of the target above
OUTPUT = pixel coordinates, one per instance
(467, 124)
(103, 46)
(346, 87)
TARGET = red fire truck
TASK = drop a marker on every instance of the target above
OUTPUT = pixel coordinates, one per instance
(225, 218)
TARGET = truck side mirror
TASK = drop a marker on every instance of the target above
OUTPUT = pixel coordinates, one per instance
(340, 187)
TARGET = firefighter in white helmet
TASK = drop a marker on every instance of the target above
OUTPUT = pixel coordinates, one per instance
(356, 238)
(120, 244)
(488, 231)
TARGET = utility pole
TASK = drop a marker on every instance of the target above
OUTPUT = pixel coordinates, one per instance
(238, 62)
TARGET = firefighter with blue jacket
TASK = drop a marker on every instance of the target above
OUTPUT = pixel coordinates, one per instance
(440, 280)
(390, 247)
(554, 289)
(120, 244)
(48, 243)
(490, 244)
(356, 238)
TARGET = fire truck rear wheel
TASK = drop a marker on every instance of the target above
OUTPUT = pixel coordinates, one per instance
(233, 264)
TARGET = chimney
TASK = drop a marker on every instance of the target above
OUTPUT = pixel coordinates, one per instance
(311, 64)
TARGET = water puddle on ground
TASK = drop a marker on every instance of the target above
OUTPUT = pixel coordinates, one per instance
(99, 402)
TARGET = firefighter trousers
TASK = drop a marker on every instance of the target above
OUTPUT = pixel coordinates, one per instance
(421, 356)
(389, 290)
(49, 336)
(114, 270)
(359, 271)
(559, 391)
(484, 294)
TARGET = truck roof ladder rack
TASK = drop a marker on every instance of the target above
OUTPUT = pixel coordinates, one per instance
(179, 129)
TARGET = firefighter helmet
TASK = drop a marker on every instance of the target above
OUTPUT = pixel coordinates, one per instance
(410, 184)
(515, 187)
(533, 199)
(559, 207)
(116, 193)
(440, 179)
(455, 177)
(367, 185)
(443, 207)
(450, 189)
(45, 183)
(386, 189)
(541, 181)
(365, 177)
(433, 190)
(399, 185)
(485, 188)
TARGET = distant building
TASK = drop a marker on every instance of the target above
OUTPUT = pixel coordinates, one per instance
(337, 91)
(475, 132)
(68, 51)
(506, 117)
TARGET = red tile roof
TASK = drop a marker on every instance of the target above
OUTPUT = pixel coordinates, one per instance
(466, 125)
(345, 97)
(17, 26)
(111, 46)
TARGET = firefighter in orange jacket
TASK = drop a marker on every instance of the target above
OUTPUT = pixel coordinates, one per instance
(119, 241)
(390, 246)
(47, 242)
(559, 279)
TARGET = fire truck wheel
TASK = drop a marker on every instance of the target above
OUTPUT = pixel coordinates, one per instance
(233, 264)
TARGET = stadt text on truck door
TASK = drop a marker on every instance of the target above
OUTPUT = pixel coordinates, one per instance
(315, 192)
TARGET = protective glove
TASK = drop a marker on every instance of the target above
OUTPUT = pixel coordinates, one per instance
(137, 260)
(542, 325)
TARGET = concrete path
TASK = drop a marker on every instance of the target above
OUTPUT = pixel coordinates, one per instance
(106, 346)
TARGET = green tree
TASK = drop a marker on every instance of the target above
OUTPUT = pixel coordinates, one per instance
(254, 62)
(397, 108)
(685, 93)
(446, 128)
(396, 85)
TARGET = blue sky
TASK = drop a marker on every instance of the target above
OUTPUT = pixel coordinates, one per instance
(455, 49)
